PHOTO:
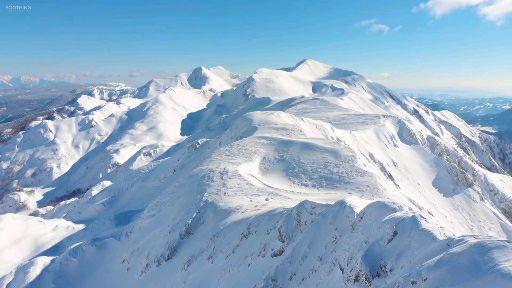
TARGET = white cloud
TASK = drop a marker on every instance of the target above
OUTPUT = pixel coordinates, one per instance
(439, 8)
(398, 28)
(492, 10)
(375, 27)
(496, 11)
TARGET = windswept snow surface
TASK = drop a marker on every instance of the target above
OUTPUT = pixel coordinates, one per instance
(296, 177)
(20, 244)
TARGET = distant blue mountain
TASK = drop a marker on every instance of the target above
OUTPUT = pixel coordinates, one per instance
(491, 114)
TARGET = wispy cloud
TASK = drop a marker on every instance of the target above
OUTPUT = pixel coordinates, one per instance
(385, 75)
(374, 26)
(398, 28)
(496, 11)
(492, 10)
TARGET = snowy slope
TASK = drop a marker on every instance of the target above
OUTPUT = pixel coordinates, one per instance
(105, 126)
(22, 244)
(297, 177)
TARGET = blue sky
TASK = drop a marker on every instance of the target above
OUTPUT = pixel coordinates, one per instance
(426, 44)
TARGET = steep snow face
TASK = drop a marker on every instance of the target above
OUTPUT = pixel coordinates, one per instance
(215, 79)
(297, 177)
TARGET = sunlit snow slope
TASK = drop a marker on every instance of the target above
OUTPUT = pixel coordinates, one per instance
(308, 176)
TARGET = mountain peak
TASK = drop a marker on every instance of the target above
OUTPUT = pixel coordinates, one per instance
(199, 69)
(307, 64)
(157, 86)
(311, 69)
(310, 63)
(203, 78)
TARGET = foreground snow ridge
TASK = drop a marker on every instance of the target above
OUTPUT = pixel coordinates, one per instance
(307, 176)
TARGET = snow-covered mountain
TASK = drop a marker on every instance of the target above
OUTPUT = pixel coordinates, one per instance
(295, 177)
(492, 115)
(467, 108)
(8, 81)
(499, 124)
